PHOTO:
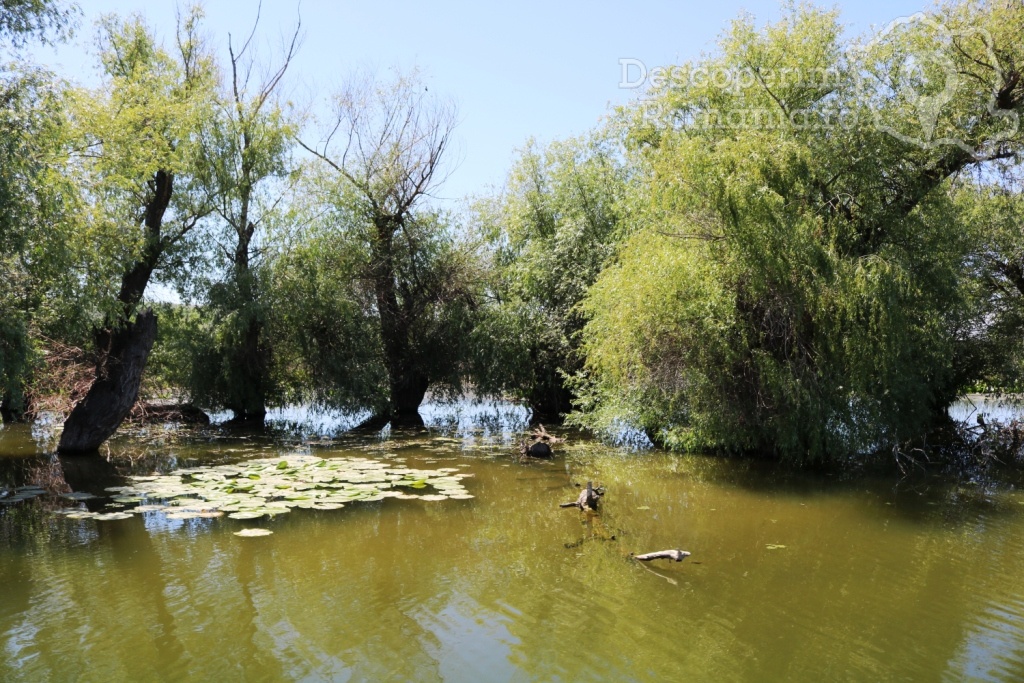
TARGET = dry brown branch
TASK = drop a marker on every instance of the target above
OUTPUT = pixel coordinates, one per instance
(538, 444)
(61, 380)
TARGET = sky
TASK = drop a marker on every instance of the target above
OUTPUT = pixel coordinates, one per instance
(532, 68)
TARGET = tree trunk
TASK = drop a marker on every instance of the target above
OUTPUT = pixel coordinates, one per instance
(123, 346)
(550, 401)
(550, 404)
(407, 383)
(112, 395)
(248, 395)
(407, 391)
(10, 411)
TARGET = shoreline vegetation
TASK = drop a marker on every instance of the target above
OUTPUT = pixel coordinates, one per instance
(810, 270)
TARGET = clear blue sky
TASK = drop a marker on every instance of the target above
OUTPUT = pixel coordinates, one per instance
(545, 69)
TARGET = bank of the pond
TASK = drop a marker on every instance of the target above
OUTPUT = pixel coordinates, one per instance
(793, 576)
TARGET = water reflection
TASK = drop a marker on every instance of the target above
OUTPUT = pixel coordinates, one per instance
(793, 577)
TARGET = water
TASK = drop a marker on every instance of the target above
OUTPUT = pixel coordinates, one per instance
(792, 577)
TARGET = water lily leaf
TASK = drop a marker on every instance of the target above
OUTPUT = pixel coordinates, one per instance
(271, 486)
(246, 514)
(110, 516)
(250, 533)
(77, 495)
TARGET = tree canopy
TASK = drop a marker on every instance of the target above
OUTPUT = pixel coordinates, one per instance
(801, 244)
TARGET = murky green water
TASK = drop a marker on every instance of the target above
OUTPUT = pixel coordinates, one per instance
(791, 578)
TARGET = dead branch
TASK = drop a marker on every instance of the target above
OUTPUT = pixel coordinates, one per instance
(538, 444)
(675, 554)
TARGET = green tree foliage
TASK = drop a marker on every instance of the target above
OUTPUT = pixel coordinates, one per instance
(44, 20)
(796, 288)
(550, 233)
(142, 156)
(39, 202)
(36, 196)
(142, 151)
(247, 148)
(403, 287)
(993, 213)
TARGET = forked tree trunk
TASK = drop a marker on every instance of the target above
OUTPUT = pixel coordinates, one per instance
(112, 395)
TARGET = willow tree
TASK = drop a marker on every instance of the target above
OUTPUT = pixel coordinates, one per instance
(38, 197)
(247, 147)
(44, 20)
(382, 159)
(798, 286)
(39, 206)
(141, 130)
(550, 231)
(994, 213)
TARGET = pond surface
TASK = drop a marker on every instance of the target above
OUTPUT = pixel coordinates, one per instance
(791, 577)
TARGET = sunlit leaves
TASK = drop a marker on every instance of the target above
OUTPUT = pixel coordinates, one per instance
(797, 286)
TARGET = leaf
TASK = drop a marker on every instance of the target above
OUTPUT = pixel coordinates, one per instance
(251, 533)
(246, 514)
(77, 495)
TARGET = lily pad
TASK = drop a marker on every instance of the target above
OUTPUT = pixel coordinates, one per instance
(250, 533)
(110, 516)
(273, 486)
(77, 495)
(246, 514)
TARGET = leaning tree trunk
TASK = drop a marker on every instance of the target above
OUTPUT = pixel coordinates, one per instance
(123, 347)
(112, 395)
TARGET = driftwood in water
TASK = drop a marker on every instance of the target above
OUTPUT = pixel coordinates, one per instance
(676, 554)
(539, 444)
(587, 499)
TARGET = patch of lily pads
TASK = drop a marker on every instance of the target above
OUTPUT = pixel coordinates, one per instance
(21, 494)
(273, 486)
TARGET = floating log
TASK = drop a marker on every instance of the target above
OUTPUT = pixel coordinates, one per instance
(676, 554)
(588, 498)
